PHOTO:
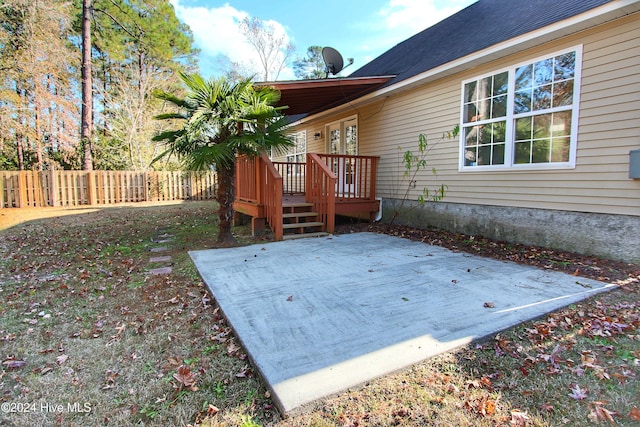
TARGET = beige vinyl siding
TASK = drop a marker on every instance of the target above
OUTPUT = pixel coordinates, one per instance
(609, 127)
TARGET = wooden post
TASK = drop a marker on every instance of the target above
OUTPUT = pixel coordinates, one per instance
(22, 190)
(44, 193)
(145, 188)
(374, 174)
(193, 186)
(91, 187)
(53, 187)
(2, 188)
(260, 171)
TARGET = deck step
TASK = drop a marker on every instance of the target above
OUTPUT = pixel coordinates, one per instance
(297, 205)
(299, 214)
(304, 235)
(302, 225)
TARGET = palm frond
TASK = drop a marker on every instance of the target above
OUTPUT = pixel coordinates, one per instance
(204, 157)
(169, 97)
(220, 120)
(169, 116)
(169, 135)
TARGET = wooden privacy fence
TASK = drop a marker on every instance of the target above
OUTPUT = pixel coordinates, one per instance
(74, 188)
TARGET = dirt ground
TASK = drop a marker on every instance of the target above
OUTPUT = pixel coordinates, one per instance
(75, 283)
(568, 262)
(10, 217)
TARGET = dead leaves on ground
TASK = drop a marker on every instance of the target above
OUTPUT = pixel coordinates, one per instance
(186, 378)
(11, 363)
(579, 341)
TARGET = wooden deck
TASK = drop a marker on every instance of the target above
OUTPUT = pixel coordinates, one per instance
(299, 199)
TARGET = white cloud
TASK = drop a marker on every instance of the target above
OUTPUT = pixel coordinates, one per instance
(409, 17)
(215, 31)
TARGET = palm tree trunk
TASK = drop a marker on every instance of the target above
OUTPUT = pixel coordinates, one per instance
(226, 195)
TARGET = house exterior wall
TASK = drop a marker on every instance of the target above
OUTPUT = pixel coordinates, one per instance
(596, 193)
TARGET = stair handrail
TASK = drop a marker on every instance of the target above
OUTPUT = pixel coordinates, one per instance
(271, 192)
(356, 175)
(320, 183)
(247, 179)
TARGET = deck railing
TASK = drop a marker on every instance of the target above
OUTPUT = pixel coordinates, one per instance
(259, 183)
(272, 191)
(331, 182)
(292, 176)
(247, 174)
(356, 175)
(320, 186)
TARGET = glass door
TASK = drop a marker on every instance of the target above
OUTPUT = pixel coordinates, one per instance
(343, 139)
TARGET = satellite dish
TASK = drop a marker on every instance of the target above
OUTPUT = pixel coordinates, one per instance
(332, 60)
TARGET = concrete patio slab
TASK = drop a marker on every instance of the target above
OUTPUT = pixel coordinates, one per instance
(318, 316)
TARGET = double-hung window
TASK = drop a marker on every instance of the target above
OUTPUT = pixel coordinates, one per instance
(522, 117)
(297, 152)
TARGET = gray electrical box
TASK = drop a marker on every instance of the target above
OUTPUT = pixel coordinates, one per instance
(634, 164)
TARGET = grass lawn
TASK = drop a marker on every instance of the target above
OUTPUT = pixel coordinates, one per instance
(88, 337)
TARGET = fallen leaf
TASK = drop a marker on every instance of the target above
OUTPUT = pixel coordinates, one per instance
(486, 382)
(110, 379)
(173, 361)
(547, 407)
(577, 393)
(186, 378)
(597, 412)
(452, 388)
(489, 305)
(290, 298)
(118, 335)
(14, 364)
(61, 359)
(519, 418)
(246, 372)
(232, 348)
(483, 406)
(635, 414)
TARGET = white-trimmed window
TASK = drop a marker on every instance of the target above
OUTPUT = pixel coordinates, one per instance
(298, 151)
(522, 117)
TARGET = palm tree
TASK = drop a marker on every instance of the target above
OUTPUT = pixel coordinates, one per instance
(220, 121)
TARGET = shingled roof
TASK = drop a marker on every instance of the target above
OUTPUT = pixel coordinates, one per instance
(479, 26)
(482, 32)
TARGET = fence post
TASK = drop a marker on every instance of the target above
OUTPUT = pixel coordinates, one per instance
(2, 188)
(145, 180)
(91, 187)
(53, 187)
(193, 180)
(22, 189)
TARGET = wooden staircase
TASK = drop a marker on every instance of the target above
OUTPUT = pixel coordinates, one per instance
(298, 221)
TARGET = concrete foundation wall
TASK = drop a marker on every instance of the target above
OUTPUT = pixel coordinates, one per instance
(604, 235)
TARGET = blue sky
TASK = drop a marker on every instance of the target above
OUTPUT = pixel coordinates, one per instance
(359, 29)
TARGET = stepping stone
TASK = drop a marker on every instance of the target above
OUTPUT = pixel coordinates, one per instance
(162, 239)
(160, 258)
(161, 270)
(160, 249)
